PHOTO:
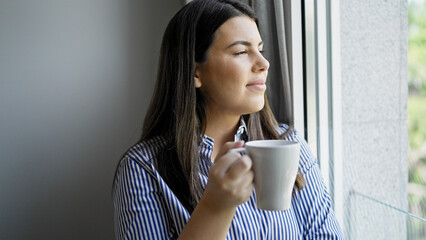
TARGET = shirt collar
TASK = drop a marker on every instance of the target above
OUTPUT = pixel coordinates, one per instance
(241, 134)
(206, 147)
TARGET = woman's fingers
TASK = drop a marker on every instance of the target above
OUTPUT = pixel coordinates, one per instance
(247, 179)
(222, 164)
(228, 146)
(236, 176)
(245, 186)
(225, 159)
(230, 178)
(239, 167)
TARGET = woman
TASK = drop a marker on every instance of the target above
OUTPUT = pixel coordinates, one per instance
(180, 181)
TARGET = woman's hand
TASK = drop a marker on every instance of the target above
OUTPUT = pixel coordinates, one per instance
(230, 184)
(230, 180)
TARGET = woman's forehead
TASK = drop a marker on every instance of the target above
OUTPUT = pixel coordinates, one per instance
(241, 28)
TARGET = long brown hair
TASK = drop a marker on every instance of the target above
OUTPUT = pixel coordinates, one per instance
(176, 112)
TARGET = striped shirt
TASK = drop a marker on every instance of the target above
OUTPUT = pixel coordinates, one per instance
(146, 208)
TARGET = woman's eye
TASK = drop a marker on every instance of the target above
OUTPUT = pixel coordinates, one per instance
(240, 53)
(262, 51)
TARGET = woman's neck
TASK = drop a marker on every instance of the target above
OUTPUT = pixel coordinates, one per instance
(222, 129)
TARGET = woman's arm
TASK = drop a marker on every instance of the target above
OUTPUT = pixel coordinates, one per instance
(230, 184)
(207, 223)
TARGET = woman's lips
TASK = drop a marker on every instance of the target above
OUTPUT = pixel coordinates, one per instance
(258, 85)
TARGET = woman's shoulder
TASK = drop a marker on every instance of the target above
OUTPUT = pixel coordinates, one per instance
(289, 133)
(137, 161)
(307, 158)
(145, 151)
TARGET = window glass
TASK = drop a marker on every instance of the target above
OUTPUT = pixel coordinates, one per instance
(417, 115)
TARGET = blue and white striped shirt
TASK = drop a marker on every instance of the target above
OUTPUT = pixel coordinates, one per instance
(146, 208)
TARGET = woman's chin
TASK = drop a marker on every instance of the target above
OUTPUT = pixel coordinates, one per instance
(256, 107)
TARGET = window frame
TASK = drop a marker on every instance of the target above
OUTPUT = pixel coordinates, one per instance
(322, 92)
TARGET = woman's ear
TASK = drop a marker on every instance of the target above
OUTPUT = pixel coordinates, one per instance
(197, 80)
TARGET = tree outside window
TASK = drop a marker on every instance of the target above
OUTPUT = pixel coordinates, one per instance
(417, 113)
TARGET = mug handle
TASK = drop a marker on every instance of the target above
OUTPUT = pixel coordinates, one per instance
(244, 150)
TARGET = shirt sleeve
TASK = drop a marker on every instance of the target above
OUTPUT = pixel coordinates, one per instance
(139, 209)
(314, 205)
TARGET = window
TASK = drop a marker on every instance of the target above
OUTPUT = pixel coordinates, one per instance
(321, 92)
(354, 103)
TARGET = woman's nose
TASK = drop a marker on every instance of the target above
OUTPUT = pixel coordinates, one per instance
(261, 64)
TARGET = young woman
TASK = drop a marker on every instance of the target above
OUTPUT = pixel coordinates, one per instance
(180, 181)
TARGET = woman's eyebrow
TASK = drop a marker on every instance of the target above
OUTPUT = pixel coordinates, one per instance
(245, 43)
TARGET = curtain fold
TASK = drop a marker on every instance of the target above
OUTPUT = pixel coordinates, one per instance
(275, 29)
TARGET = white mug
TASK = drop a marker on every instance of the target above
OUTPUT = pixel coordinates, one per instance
(275, 165)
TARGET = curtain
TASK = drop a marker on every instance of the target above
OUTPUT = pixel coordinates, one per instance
(275, 29)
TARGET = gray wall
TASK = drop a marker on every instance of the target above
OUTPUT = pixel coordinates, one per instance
(374, 117)
(75, 81)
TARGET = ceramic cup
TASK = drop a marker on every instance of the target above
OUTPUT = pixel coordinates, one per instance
(275, 164)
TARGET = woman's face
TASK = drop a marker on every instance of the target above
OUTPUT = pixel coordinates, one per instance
(232, 80)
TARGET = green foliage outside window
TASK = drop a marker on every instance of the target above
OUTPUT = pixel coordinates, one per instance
(417, 48)
(417, 114)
